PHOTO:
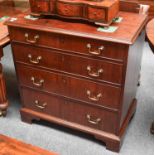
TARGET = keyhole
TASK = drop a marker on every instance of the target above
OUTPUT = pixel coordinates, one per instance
(62, 40)
(64, 81)
(65, 102)
(66, 10)
(62, 58)
(95, 13)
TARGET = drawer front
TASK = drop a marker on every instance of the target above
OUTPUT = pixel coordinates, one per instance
(86, 67)
(90, 116)
(39, 6)
(41, 102)
(33, 37)
(89, 47)
(96, 14)
(79, 89)
(69, 10)
(70, 111)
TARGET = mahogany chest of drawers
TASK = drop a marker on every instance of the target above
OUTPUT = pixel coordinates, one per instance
(73, 75)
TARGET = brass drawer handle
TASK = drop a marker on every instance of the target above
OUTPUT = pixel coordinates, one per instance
(94, 98)
(92, 73)
(34, 61)
(39, 83)
(36, 37)
(90, 120)
(43, 106)
(96, 52)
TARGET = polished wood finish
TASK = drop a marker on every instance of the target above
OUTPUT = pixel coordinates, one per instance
(52, 83)
(58, 61)
(73, 75)
(129, 6)
(150, 39)
(8, 3)
(3, 98)
(151, 9)
(150, 33)
(82, 43)
(10, 146)
(100, 11)
(4, 40)
(138, 6)
(70, 111)
(4, 35)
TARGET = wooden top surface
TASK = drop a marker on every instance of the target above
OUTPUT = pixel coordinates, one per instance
(127, 32)
(5, 11)
(9, 146)
(100, 3)
(150, 31)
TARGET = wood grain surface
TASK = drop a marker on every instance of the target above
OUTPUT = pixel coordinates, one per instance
(5, 11)
(150, 31)
(9, 146)
(52, 58)
(127, 31)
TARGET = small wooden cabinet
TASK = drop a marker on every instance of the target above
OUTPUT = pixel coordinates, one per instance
(3, 96)
(100, 11)
(74, 75)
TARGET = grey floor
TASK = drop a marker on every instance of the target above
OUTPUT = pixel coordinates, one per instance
(138, 140)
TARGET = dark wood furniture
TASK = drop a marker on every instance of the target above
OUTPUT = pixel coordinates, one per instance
(136, 5)
(3, 99)
(4, 41)
(10, 146)
(150, 39)
(98, 11)
(151, 9)
(129, 6)
(73, 75)
(150, 33)
(8, 3)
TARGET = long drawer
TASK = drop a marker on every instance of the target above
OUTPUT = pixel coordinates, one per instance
(76, 88)
(90, 47)
(87, 67)
(71, 111)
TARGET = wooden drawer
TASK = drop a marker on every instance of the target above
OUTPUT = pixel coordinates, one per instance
(90, 116)
(89, 47)
(85, 67)
(40, 6)
(41, 102)
(35, 37)
(75, 88)
(69, 10)
(97, 14)
(71, 111)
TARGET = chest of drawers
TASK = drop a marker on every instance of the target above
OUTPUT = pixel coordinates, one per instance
(73, 75)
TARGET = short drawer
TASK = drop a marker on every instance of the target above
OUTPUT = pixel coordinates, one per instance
(71, 87)
(68, 9)
(97, 14)
(85, 46)
(90, 116)
(40, 6)
(41, 102)
(34, 38)
(74, 112)
(73, 64)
